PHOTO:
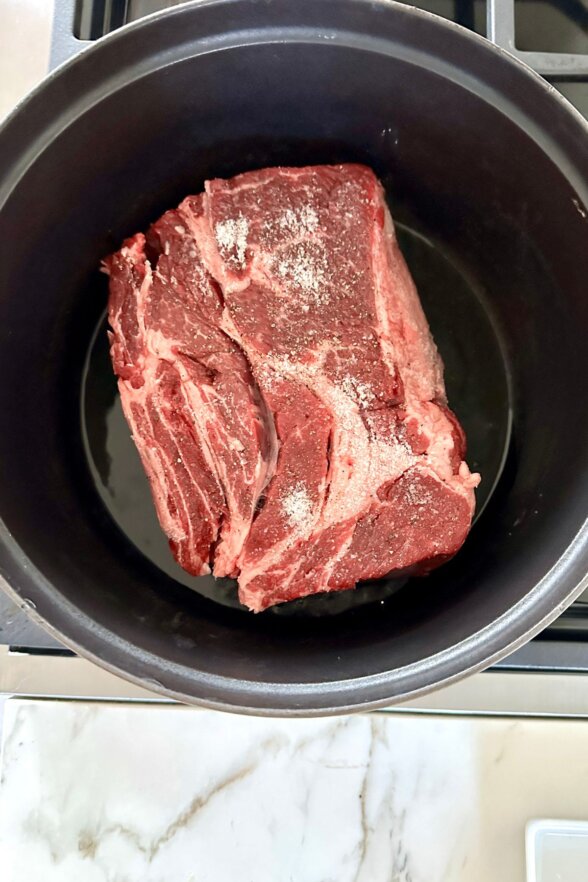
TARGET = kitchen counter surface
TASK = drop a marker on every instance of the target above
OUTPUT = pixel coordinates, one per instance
(107, 792)
(24, 48)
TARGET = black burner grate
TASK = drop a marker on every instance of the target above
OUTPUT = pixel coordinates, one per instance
(551, 36)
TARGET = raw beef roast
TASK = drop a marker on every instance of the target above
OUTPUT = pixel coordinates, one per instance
(283, 388)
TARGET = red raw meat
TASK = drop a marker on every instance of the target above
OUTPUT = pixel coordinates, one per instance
(283, 388)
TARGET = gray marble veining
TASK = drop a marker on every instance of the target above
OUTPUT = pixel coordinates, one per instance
(147, 793)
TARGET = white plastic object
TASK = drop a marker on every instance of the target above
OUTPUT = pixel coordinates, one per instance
(557, 851)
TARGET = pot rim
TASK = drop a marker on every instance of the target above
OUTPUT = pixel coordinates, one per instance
(564, 582)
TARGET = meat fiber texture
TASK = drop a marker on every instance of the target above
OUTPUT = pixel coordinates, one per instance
(283, 388)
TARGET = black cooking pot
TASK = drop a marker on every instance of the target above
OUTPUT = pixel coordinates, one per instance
(486, 168)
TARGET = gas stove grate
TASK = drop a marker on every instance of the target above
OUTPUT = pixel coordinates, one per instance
(79, 22)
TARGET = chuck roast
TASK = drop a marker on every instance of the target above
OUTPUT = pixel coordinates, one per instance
(283, 388)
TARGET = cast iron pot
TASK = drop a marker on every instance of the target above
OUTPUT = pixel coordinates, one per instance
(487, 173)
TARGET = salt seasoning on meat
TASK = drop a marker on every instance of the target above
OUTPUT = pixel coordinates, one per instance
(297, 505)
(231, 236)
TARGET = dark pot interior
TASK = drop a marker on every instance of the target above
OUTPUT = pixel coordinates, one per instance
(487, 177)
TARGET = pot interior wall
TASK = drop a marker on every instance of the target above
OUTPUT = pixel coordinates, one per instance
(468, 185)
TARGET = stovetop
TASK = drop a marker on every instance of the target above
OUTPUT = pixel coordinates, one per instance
(549, 35)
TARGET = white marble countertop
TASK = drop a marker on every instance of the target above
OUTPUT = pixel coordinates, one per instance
(24, 47)
(106, 792)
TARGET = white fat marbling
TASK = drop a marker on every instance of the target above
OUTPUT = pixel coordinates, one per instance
(136, 793)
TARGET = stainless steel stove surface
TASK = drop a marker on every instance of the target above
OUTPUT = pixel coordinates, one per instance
(552, 37)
